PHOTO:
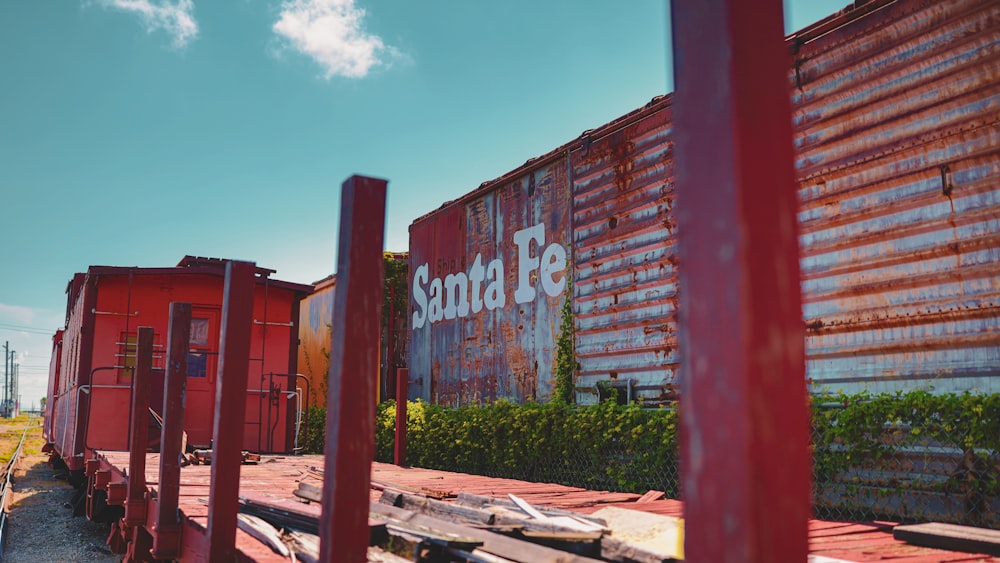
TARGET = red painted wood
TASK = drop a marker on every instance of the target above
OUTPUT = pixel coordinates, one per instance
(745, 427)
(402, 384)
(135, 501)
(230, 409)
(353, 376)
(166, 533)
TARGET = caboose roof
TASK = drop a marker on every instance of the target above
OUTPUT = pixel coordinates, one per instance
(194, 265)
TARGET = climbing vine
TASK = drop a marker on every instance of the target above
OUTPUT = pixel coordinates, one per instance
(394, 296)
(566, 366)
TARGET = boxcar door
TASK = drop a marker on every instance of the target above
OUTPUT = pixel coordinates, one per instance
(203, 359)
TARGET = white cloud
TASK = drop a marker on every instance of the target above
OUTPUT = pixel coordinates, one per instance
(176, 17)
(16, 314)
(331, 32)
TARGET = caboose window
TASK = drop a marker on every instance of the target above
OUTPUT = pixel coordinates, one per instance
(199, 332)
(125, 358)
(126, 353)
(197, 364)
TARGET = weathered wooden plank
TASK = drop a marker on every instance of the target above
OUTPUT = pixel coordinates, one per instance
(651, 496)
(439, 494)
(309, 492)
(641, 536)
(479, 501)
(263, 531)
(306, 547)
(495, 544)
(950, 536)
(438, 509)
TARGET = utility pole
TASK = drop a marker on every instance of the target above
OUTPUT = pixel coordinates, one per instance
(16, 395)
(10, 382)
(6, 373)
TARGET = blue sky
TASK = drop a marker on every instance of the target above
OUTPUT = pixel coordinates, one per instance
(133, 132)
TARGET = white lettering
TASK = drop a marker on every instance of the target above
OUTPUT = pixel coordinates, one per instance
(495, 297)
(435, 311)
(460, 293)
(420, 278)
(553, 262)
(456, 288)
(526, 263)
(476, 275)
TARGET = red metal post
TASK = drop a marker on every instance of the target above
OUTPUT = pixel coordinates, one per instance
(390, 331)
(402, 390)
(354, 357)
(745, 419)
(167, 529)
(135, 501)
(230, 409)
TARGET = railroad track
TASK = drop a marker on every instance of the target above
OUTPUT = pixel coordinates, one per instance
(5, 488)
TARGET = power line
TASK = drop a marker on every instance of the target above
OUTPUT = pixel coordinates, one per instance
(20, 328)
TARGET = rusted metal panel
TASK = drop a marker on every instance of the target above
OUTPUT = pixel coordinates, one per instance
(625, 283)
(315, 312)
(898, 154)
(488, 279)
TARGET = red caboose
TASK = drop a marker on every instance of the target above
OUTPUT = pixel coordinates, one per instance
(93, 359)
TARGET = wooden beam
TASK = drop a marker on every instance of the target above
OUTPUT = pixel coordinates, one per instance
(745, 425)
(230, 408)
(493, 543)
(135, 502)
(951, 537)
(167, 528)
(353, 376)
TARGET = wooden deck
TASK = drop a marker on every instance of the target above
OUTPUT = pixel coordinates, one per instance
(277, 477)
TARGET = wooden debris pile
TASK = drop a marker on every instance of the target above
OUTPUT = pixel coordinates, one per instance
(409, 525)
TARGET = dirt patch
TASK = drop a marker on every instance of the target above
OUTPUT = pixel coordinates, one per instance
(40, 528)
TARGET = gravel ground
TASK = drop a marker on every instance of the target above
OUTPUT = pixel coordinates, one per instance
(40, 528)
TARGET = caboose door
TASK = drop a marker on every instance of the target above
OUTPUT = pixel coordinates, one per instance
(202, 359)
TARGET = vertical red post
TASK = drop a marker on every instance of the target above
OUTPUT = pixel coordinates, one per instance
(402, 391)
(135, 501)
(167, 529)
(746, 467)
(354, 359)
(390, 343)
(230, 409)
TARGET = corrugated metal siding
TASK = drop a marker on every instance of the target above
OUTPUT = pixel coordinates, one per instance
(488, 354)
(315, 313)
(898, 144)
(625, 279)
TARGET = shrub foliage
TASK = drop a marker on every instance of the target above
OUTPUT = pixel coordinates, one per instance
(865, 448)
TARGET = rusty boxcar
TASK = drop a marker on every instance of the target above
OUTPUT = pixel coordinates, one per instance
(94, 357)
(896, 111)
(314, 335)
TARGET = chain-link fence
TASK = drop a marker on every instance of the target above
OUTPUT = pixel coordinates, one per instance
(905, 458)
(901, 472)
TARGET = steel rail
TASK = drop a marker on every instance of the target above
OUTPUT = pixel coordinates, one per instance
(6, 488)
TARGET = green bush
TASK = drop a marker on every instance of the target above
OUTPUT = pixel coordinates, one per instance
(862, 444)
(605, 446)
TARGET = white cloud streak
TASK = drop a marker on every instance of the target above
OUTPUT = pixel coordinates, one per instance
(176, 17)
(332, 33)
(16, 313)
